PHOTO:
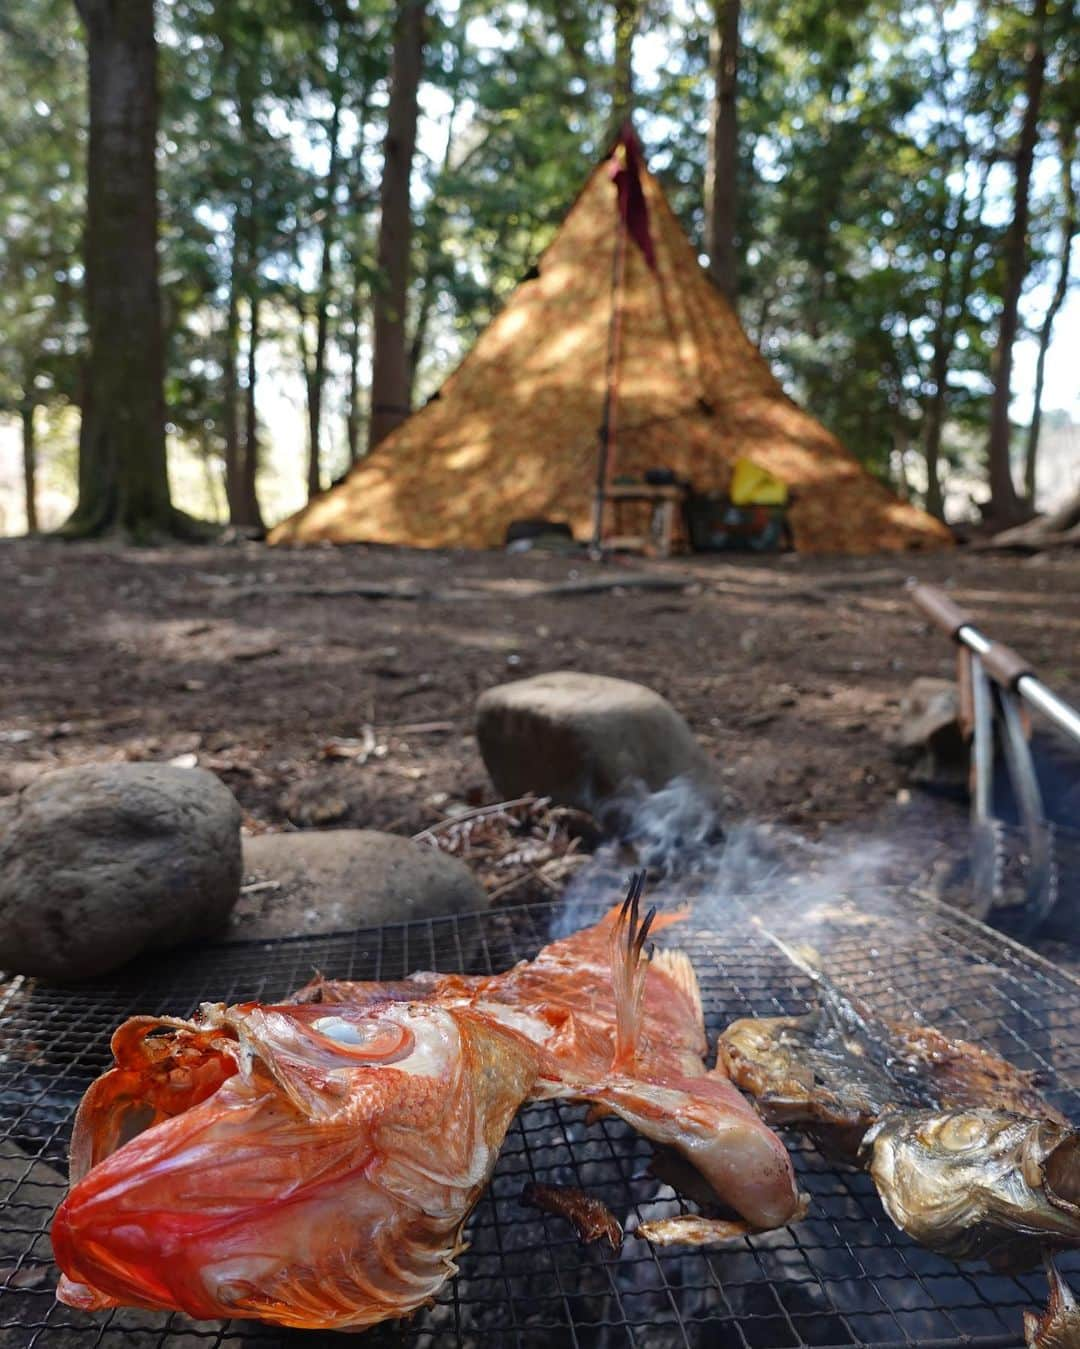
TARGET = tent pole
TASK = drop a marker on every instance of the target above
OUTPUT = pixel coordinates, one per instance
(605, 460)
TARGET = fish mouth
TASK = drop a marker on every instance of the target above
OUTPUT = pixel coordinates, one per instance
(1061, 1175)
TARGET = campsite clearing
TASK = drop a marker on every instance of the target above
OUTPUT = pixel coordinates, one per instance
(336, 686)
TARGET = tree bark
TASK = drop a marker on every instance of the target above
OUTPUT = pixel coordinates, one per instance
(250, 464)
(248, 514)
(352, 407)
(123, 479)
(29, 467)
(1004, 502)
(390, 372)
(1068, 229)
(317, 382)
(721, 169)
(230, 395)
(627, 19)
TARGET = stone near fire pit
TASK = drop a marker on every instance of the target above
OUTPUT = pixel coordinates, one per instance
(101, 863)
(332, 880)
(583, 738)
(929, 735)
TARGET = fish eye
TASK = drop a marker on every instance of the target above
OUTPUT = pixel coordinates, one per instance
(341, 1031)
(955, 1133)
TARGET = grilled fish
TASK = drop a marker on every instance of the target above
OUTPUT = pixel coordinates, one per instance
(626, 1035)
(838, 1069)
(974, 1184)
(312, 1163)
(323, 1183)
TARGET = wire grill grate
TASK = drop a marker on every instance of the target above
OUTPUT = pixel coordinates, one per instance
(844, 1276)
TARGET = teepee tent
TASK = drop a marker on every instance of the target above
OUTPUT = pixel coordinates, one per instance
(619, 356)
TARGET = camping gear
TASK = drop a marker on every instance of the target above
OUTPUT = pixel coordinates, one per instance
(752, 485)
(666, 501)
(520, 428)
(715, 524)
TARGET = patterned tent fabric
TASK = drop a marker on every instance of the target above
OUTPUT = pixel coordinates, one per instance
(513, 432)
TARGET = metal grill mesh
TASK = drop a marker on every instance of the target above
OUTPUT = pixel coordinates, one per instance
(843, 1276)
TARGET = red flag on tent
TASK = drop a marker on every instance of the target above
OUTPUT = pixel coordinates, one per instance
(626, 175)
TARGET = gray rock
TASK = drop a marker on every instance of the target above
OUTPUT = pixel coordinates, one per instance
(104, 862)
(929, 735)
(583, 738)
(332, 880)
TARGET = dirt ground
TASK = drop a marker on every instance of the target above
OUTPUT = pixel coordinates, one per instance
(336, 686)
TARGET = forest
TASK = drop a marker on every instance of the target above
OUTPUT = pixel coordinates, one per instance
(539, 631)
(321, 203)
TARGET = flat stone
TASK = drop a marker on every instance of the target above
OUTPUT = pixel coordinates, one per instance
(928, 707)
(582, 739)
(333, 880)
(929, 735)
(101, 863)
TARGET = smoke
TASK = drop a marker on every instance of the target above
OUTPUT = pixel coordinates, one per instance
(671, 831)
(677, 836)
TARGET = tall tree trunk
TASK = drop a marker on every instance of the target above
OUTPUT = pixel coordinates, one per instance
(1068, 229)
(389, 371)
(249, 516)
(934, 502)
(627, 19)
(1004, 502)
(352, 408)
(29, 449)
(322, 307)
(230, 392)
(419, 335)
(358, 283)
(123, 479)
(721, 169)
(250, 462)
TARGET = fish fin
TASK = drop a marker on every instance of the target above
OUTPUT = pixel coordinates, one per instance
(313, 991)
(1061, 1295)
(676, 965)
(629, 966)
(661, 921)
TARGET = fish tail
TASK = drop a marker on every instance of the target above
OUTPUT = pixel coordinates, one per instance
(629, 966)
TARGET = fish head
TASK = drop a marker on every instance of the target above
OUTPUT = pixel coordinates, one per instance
(979, 1182)
(269, 1196)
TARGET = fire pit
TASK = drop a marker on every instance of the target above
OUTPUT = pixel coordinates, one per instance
(843, 1276)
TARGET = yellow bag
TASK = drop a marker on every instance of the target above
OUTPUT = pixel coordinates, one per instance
(752, 485)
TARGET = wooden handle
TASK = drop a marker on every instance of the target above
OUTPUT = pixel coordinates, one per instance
(1002, 663)
(937, 607)
(1005, 665)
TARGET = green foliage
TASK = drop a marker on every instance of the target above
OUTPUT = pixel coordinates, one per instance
(42, 98)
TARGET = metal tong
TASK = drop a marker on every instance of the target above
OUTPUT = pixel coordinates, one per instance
(995, 682)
